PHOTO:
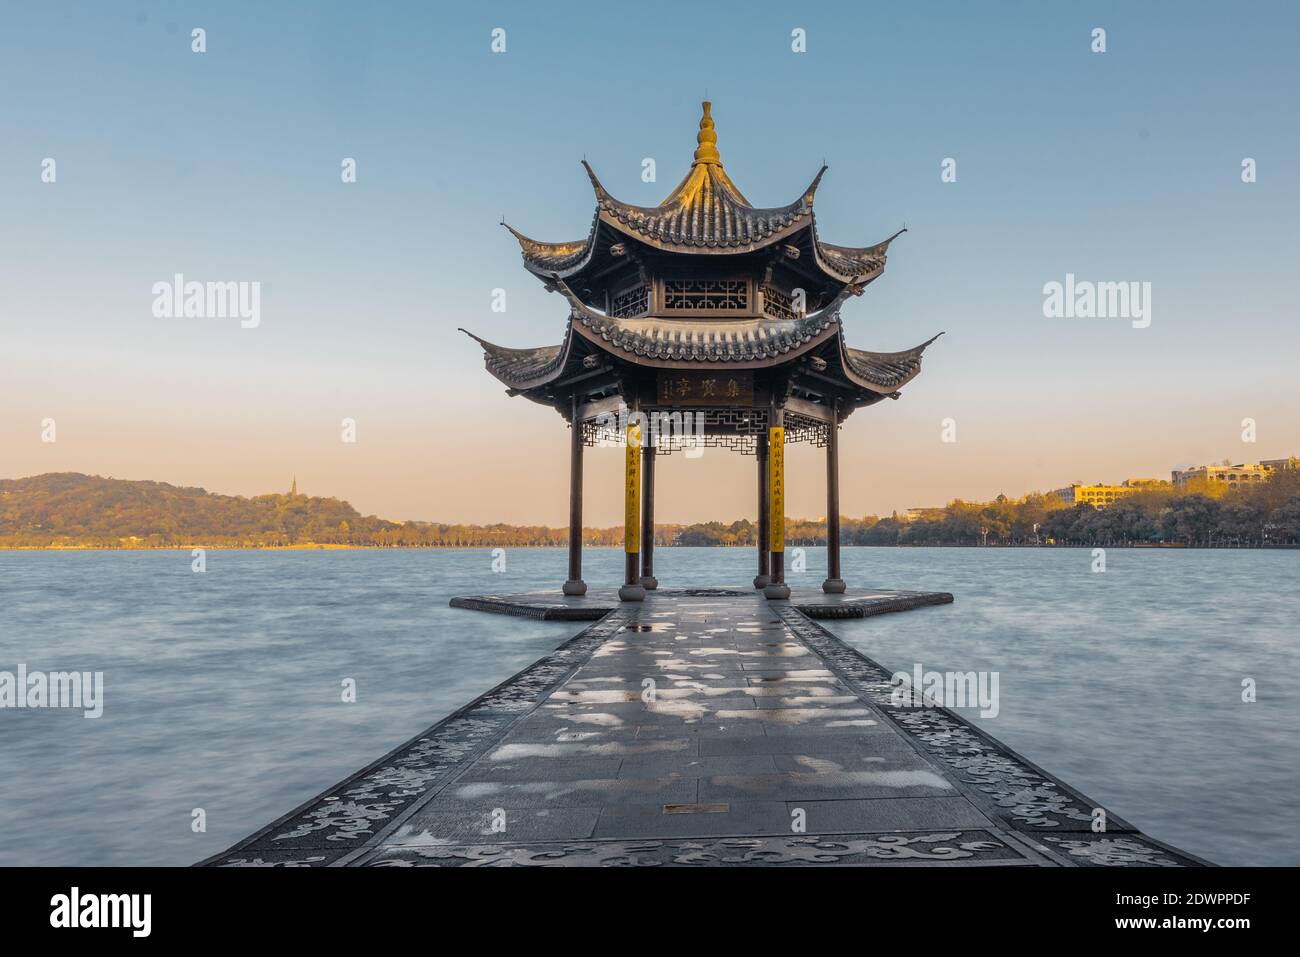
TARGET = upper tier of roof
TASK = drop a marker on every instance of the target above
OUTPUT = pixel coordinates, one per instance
(705, 214)
(706, 210)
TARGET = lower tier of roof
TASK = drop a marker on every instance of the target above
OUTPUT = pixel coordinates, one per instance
(662, 343)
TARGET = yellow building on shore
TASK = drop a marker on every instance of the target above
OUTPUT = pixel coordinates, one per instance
(1232, 474)
(1100, 496)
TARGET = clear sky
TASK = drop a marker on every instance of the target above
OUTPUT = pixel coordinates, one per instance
(1123, 165)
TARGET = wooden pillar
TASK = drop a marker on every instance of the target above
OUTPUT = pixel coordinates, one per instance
(575, 585)
(648, 580)
(834, 584)
(763, 577)
(776, 588)
(632, 589)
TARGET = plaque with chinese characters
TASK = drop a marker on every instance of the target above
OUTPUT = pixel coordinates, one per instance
(706, 388)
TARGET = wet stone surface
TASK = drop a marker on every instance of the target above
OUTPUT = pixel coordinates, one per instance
(554, 606)
(700, 728)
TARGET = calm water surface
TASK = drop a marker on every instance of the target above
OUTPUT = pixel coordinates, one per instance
(224, 689)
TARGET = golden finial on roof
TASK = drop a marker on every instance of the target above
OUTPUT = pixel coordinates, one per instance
(708, 140)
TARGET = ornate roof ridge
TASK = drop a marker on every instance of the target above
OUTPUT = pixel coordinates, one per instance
(884, 372)
(518, 368)
(551, 257)
(879, 249)
(857, 265)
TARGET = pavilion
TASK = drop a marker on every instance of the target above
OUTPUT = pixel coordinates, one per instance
(708, 305)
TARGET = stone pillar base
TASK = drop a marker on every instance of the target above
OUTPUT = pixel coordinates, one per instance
(833, 586)
(776, 590)
(631, 593)
(762, 581)
(649, 582)
(575, 586)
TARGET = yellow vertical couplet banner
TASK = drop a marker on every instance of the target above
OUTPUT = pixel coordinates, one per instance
(632, 483)
(776, 486)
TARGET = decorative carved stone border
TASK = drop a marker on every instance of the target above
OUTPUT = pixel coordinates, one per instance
(981, 847)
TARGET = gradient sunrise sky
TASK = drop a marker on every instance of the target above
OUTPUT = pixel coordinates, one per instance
(222, 166)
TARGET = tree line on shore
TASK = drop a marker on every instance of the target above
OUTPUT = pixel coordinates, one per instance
(74, 510)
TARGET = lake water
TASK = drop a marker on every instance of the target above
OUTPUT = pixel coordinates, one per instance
(224, 689)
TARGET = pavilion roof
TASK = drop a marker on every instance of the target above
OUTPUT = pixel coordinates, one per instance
(705, 214)
(701, 343)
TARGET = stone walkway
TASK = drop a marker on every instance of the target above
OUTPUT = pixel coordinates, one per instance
(709, 729)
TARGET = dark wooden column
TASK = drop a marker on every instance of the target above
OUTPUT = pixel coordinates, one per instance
(648, 580)
(776, 588)
(632, 589)
(833, 584)
(760, 453)
(575, 585)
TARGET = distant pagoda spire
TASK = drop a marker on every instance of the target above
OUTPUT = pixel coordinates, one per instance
(293, 490)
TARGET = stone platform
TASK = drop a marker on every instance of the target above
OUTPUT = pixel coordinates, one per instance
(599, 602)
(700, 729)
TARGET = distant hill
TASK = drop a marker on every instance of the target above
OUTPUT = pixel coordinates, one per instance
(71, 509)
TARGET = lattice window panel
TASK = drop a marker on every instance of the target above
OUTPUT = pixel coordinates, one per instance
(593, 434)
(706, 295)
(744, 444)
(799, 428)
(776, 303)
(734, 429)
(630, 302)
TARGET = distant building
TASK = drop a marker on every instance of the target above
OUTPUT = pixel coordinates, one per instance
(1279, 465)
(1100, 496)
(1228, 474)
(928, 514)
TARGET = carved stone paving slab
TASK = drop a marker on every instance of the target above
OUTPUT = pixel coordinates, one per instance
(951, 848)
(342, 819)
(1022, 796)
